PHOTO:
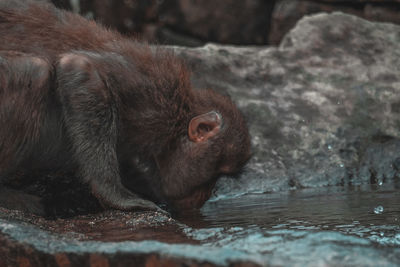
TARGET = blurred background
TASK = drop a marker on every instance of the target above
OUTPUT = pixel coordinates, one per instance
(196, 22)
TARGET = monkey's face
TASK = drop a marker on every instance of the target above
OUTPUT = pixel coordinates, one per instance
(188, 179)
(189, 173)
(196, 198)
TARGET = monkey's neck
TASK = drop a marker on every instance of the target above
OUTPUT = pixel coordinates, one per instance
(158, 107)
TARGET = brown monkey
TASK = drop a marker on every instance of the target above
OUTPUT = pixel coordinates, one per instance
(75, 97)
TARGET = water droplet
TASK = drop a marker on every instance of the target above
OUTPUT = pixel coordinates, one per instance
(378, 210)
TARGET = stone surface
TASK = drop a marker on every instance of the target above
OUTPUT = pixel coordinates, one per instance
(194, 23)
(323, 109)
(286, 13)
(228, 21)
(111, 238)
(181, 22)
(360, 1)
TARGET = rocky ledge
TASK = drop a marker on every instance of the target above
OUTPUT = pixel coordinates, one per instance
(323, 109)
(111, 238)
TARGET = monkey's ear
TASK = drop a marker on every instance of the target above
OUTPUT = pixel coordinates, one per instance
(204, 126)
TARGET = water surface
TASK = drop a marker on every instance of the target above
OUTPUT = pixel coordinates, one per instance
(331, 226)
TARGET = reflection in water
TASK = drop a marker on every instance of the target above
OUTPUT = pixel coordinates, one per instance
(357, 225)
(332, 226)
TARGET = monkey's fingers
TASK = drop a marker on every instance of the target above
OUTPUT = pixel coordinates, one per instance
(138, 204)
(120, 198)
(143, 204)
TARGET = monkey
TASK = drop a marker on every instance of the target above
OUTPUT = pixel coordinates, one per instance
(118, 113)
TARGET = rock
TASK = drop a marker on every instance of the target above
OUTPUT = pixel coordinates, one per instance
(323, 109)
(361, 1)
(229, 21)
(194, 23)
(382, 13)
(181, 22)
(286, 13)
(112, 238)
(129, 17)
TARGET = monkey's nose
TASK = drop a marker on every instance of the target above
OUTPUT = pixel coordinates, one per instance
(193, 201)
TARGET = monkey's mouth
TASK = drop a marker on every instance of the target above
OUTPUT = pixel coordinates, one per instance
(195, 199)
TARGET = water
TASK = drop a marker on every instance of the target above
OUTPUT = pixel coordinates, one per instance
(327, 226)
(330, 226)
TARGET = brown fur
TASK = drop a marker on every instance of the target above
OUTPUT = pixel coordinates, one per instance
(76, 97)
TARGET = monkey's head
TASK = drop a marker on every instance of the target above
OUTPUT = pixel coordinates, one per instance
(216, 143)
(182, 139)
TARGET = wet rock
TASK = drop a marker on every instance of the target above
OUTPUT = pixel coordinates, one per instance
(194, 23)
(112, 238)
(286, 13)
(322, 108)
(378, 162)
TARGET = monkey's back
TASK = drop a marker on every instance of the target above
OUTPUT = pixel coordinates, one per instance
(43, 30)
(29, 114)
(33, 36)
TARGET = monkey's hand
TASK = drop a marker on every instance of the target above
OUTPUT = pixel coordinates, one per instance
(118, 197)
(90, 117)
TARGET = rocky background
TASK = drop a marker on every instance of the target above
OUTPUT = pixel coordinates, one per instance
(323, 109)
(196, 22)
